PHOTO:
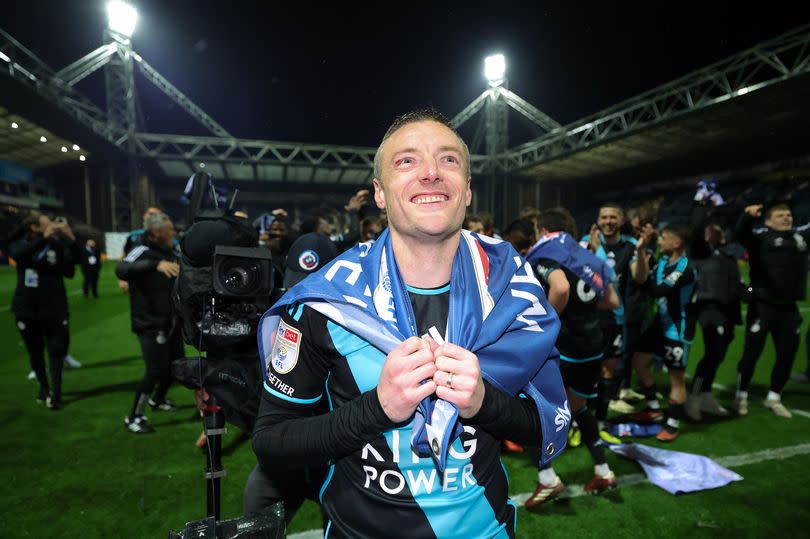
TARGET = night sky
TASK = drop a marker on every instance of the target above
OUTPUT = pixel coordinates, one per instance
(339, 74)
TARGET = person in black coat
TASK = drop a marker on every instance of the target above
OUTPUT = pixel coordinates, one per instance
(45, 252)
(717, 304)
(150, 270)
(91, 267)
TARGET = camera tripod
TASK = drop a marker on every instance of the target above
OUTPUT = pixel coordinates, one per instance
(214, 424)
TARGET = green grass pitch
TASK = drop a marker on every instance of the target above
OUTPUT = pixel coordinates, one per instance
(79, 473)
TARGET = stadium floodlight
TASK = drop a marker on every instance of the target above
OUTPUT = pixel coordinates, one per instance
(14, 125)
(495, 69)
(64, 149)
(122, 17)
(43, 139)
(76, 147)
(82, 158)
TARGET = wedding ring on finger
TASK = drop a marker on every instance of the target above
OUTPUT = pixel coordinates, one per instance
(450, 380)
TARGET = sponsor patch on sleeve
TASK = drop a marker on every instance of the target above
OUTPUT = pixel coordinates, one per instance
(673, 277)
(285, 350)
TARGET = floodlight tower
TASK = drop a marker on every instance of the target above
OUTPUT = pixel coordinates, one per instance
(119, 74)
(496, 110)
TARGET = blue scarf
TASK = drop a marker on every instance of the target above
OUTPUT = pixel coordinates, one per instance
(565, 250)
(498, 311)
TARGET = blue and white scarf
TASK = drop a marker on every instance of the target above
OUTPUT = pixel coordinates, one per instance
(565, 250)
(497, 310)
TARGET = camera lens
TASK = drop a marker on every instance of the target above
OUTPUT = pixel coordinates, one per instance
(239, 276)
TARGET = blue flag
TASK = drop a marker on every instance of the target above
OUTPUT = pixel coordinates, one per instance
(677, 472)
(497, 310)
(565, 250)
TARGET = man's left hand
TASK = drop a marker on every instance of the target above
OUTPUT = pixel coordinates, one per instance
(458, 379)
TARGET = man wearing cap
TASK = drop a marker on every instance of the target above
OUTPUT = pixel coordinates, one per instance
(419, 343)
(308, 254)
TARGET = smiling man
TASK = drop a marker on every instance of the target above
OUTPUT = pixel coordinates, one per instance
(420, 343)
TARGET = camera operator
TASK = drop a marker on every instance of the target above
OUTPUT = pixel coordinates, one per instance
(150, 270)
(46, 253)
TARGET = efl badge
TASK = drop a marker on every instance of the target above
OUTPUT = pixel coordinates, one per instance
(285, 350)
(308, 260)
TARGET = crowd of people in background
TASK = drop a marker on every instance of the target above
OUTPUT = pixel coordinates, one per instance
(630, 293)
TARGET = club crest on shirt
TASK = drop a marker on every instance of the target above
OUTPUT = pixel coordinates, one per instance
(284, 356)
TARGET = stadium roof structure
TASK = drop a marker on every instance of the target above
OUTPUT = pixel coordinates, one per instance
(750, 105)
(26, 143)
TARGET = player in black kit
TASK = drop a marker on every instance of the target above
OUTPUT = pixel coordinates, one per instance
(777, 253)
(377, 485)
(580, 341)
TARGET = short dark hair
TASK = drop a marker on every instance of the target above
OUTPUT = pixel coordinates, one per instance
(615, 205)
(419, 115)
(776, 206)
(524, 226)
(557, 219)
(682, 231)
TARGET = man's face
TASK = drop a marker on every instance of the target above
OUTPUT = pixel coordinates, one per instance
(277, 229)
(669, 242)
(635, 222)
(475, 226)
(150, 211)
(424, 187)
(519, 241)
(610, 221)
(163, 236)
(370, 231)
(780, 220)
(39, 228)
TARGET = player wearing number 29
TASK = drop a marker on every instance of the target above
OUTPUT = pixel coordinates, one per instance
(672, 283)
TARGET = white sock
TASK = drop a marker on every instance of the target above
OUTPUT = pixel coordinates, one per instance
(742, 395)
(774, 396)
(674, 423)
(548, 476)
(653, 405)
(600, 424)
(602, 470)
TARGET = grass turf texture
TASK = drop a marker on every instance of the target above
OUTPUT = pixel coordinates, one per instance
(79, 473)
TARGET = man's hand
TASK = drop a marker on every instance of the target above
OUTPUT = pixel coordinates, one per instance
(65, 230)
(595, 239)
(466, 387)
(360, 199)
(645, 239)
(754, 210)
(169, 269)
(400, 388)
(123, 286)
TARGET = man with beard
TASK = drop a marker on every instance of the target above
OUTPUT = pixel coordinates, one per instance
(607, 242)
